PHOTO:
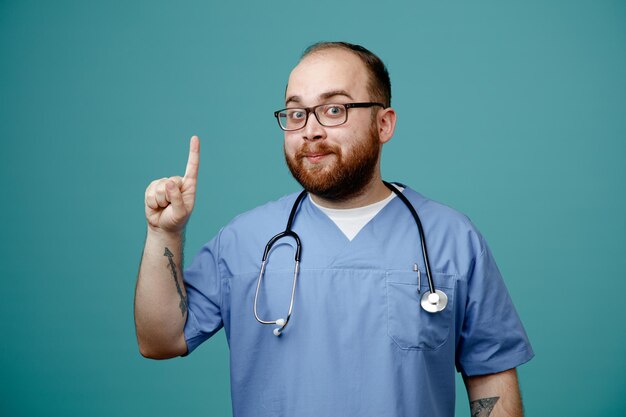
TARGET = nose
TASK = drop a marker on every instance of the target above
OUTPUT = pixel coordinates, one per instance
(313, 130)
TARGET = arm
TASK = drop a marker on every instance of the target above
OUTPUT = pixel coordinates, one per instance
(160, 296)
(494, 395)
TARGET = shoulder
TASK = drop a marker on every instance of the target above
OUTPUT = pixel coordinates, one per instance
(261, 222)
(239, 244)
(272, 211)
(438, 213)
(446, 226)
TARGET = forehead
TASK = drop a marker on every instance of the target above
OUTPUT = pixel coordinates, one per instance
(327, 71)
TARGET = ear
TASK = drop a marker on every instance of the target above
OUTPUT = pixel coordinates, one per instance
(386, 122)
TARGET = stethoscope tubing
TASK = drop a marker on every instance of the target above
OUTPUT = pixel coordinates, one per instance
(431, 285)
(432, 302)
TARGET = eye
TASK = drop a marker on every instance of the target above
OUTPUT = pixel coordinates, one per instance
(296, 114)
(334, 111)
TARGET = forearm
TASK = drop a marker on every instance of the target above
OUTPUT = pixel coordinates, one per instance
(494, 395)
(160, 297)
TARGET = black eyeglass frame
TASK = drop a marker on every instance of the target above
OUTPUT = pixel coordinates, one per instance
(310, 110)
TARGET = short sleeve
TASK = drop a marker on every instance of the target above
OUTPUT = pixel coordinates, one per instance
(492, 336)
(203, 285)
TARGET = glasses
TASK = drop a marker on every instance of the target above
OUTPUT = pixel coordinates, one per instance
(328, 115)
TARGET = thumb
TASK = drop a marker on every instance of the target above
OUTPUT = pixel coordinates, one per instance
(176, 199)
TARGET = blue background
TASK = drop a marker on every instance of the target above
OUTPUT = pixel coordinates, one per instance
(512, 112)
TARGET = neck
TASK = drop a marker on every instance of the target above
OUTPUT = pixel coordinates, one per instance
(373, 192)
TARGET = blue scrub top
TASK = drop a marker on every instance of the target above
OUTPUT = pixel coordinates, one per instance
(358, 342)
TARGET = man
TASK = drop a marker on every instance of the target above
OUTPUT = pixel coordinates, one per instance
(358, 342)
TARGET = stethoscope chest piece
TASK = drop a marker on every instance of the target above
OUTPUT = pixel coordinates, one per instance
(434, 303)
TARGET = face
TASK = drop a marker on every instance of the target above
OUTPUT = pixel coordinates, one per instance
(338, 162)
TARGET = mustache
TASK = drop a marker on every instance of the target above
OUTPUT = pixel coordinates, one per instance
(321, 148)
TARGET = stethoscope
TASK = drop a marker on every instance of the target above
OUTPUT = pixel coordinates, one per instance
(432, 301)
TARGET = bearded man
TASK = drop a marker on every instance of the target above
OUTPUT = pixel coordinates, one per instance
(388, 293)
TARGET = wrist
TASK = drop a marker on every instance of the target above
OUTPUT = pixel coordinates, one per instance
(165, 235)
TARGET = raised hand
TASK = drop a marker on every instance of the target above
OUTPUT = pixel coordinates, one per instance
(169, 201)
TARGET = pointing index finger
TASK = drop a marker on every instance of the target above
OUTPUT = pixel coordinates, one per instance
(191, 172)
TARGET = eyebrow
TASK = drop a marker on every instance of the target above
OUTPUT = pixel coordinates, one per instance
(323, 96)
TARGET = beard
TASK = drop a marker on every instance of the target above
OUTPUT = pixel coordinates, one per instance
(344, 178)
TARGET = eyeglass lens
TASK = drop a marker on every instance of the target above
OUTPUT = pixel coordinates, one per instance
(327, 115)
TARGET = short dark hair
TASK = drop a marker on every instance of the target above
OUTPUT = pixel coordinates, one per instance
(379, 84)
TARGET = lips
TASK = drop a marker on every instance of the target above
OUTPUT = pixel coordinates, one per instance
(315, 155)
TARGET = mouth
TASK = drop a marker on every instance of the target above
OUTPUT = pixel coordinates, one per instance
(316, 157)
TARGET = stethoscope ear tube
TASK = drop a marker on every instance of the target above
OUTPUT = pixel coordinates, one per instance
(281, 323)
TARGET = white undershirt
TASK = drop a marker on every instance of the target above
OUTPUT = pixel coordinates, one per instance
(351, 221)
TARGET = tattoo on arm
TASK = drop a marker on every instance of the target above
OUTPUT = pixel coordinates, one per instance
(483, 407)
(172, 266)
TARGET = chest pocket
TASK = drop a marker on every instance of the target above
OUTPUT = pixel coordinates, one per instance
(408, 324)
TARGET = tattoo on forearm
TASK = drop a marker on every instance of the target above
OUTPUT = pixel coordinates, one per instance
(172, 266)
(483, 407)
